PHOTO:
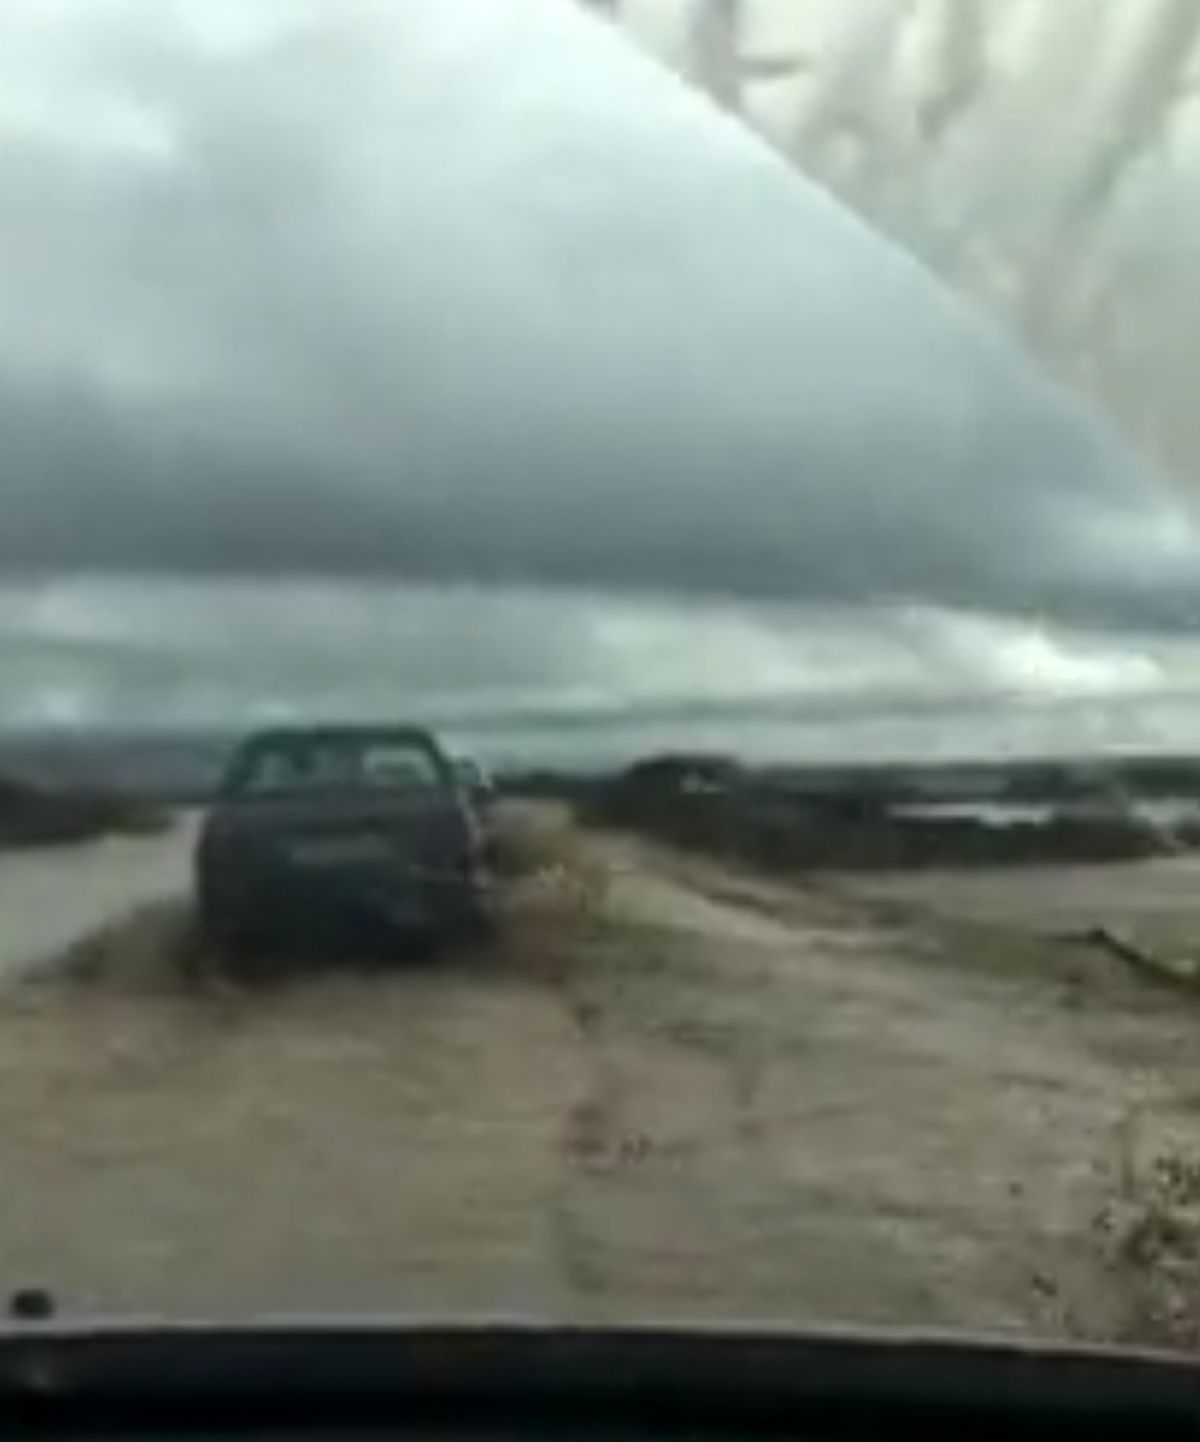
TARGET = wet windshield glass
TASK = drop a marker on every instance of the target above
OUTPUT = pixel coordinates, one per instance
(698, 500)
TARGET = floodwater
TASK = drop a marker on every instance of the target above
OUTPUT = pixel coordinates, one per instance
(52, 896)
(673, 1091)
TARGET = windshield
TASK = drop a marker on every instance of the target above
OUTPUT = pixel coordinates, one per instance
(690, 508)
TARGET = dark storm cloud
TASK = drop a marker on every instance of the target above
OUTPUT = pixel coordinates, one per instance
(463, 292)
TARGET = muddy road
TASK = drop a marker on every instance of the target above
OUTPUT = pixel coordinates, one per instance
(50, 896)
(672, 1092)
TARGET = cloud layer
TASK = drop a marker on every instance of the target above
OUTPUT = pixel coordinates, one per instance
(511, 670)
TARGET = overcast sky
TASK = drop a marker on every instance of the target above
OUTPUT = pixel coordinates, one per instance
(386, 356)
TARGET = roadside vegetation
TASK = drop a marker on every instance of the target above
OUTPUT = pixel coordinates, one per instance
(863, 821)
(35, 815)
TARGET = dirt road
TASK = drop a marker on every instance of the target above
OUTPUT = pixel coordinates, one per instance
(674, 1092)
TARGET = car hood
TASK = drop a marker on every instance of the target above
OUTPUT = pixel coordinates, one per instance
(708, 1376)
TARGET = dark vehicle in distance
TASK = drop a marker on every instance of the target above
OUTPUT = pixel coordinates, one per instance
(340, 834)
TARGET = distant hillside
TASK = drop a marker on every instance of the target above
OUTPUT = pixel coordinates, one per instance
(32, 815)
(173, 768)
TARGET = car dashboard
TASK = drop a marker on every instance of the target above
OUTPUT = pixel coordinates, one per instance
(478, 1382)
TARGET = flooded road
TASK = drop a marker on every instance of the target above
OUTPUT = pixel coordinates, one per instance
(1155, 902)
(51, 896)
(674, 1090)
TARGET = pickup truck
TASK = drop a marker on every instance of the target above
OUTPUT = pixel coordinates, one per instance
(340, 835)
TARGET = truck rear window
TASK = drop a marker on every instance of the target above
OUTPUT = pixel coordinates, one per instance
(302, 766)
